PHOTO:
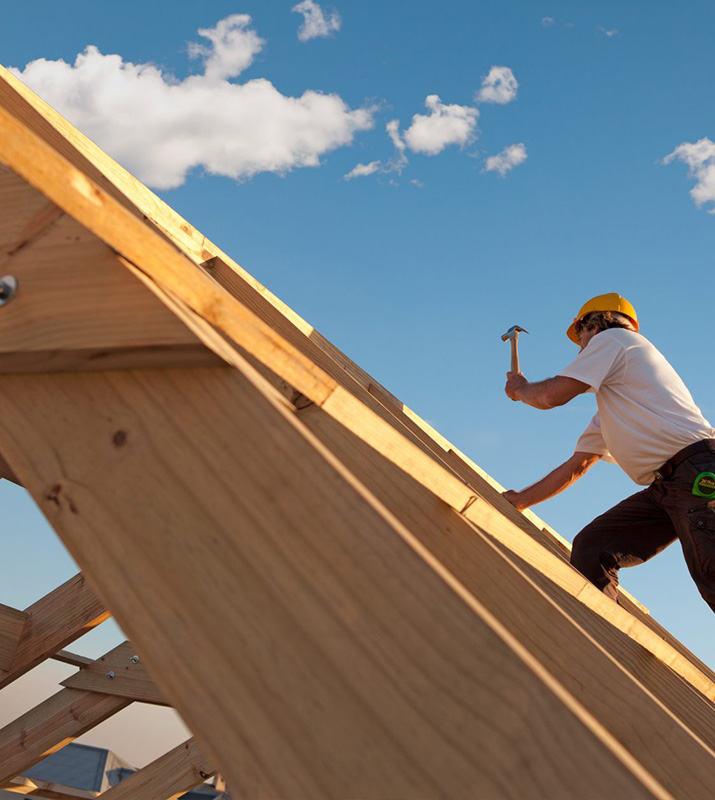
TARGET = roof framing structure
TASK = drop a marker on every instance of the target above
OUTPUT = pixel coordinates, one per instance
(373, 618)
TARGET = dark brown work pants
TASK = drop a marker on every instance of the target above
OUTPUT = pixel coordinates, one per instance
(642, 525)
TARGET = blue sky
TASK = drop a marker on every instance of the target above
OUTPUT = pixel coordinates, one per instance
(417, 269)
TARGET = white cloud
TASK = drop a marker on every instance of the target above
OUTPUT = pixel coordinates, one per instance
(362, 170)
(606, 32)
(547, 22)
(233, 47)
(396, 164)
(499, 86)
(393, 131)
(443, 126)
(160, 128)
(505, 161)
(699, 157)
(315, 23)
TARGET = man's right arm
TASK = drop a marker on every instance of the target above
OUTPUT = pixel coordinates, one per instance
(553, 483)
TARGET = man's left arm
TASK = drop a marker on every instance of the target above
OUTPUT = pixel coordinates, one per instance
(550, 393)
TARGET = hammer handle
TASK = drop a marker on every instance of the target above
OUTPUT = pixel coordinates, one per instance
(514, 355)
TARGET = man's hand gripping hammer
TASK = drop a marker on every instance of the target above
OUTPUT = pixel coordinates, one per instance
(513, 336)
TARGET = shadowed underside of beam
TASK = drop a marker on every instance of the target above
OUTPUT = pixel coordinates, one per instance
(372, 618)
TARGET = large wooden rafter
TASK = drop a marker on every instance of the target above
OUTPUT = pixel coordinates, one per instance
(367, 609)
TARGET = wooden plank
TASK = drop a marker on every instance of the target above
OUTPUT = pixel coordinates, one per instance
(11, 625)
(7, 472)
(174, 276)
(206, 300)
(343, 615)
(76, 306)
(51, 725)
(120, 672)
(174, 273)
(53, 622)
(669, 729)
(72, 144)
(167, 778)
(225, 271)
(46, 790)
(73, 659)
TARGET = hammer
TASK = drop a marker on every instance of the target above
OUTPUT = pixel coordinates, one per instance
(513, 335)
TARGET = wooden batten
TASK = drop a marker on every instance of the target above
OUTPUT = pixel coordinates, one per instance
(167, 778)
(53, 622)
(337, 601)
(50, 726)
(311, 628)
(46, 790)
(12, 622)
(120, 672)
(76, 307)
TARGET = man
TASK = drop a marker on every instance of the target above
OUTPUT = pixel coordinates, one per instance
(647, 423)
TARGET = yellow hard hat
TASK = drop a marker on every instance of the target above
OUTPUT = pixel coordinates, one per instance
(603, 302)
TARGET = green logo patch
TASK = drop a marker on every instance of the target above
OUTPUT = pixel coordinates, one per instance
(704, 485)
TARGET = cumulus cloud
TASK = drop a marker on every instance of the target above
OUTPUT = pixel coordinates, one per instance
(547, 22)
(699, 157)
(606, 32)
(505, 161)
(443, 126)
(233, 46)
(160, 128)
(315, 23)
(499, 86)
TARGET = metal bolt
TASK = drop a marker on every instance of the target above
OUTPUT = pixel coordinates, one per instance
(134, 659)
(8, 287)
(110, 675)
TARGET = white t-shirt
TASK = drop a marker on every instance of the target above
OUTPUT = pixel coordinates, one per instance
(645, 412)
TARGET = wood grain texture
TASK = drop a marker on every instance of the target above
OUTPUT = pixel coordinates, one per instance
(167, 778)
(343, 405)
(53, 622)
(12, 622)
(46, 790)
(221, 269)
(171, 273)
(356, 666)
(72, 144)
(76, 306)
(51, 725)
(118, 673)
(635, 697)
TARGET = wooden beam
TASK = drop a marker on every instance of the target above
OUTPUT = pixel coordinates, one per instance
(329, 615)
(51, 725)
(73, 659)
(11, 625)
(167, 778)
(83, 153)
(34, 111)
(93, 314)
(53, 622)
(46, 790)
(120, 672)
(628, 691)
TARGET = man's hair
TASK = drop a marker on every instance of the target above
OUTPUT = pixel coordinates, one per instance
(607, 319)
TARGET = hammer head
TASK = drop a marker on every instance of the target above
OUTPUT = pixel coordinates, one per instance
(513, 332)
